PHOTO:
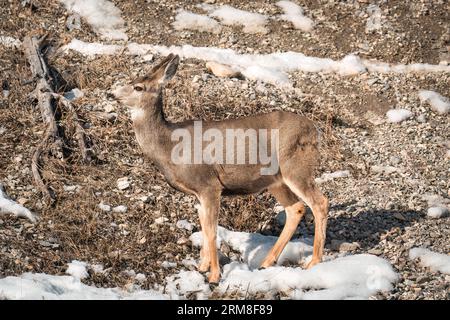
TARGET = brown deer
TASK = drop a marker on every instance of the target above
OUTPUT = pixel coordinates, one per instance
(297, 156)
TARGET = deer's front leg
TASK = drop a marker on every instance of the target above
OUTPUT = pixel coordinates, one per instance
(208, 219)
(204, 254)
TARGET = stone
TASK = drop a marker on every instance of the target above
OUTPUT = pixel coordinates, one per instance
(222, 70)
(123, 183)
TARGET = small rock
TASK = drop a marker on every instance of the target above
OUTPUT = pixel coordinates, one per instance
(22, 201)
(142, 240)
(109, 108)
(161, 220)
(104, 207)
(120, 209)
(183, 241)
(371, 82)
(222, 70)
(374, 251)
(123, 183)
(184, 224)
(341, 246)
(167, 264)
(437, 212)
(421, 118)
(71, 188)
(399, 216)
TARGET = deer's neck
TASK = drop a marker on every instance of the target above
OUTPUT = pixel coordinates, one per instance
(151, 128)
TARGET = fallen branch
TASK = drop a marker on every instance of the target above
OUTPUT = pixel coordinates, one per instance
(43, 94)
(46, 97)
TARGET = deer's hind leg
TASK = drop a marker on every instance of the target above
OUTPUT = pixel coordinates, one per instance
(306, 189)
(295, 210)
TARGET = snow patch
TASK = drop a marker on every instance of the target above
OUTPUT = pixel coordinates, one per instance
(437, 102)
(9, 206)
(103, 16)
(294, 14)
(91, 49)
(41, 286)
(77, 269)
(350, 277)
(398, 115)
(254, 246)
(192, 21)
(433, 260)
(271, 68)
(252, 22)
(185, 283)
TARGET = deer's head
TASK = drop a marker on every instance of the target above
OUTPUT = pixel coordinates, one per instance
(144, 90)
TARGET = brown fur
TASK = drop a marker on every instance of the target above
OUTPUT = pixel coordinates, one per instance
(298, 157)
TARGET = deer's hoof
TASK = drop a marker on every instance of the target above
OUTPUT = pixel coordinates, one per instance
(213, 285)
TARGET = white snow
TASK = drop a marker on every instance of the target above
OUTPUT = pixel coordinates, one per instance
(433, 260)
(252, 22)
(254, 246)
(349, 277)
(271, 68)
(77, 269)
(331, 176)
(103, 16)
(294, 14)
(192, 21)
(40, 286)
(358, 276)
(185, 283)
(439, 103)
(91, 49)
(9, 206)
(10, 42)
(398, 115)
(374, 21)
(437, 212)
(383, 67)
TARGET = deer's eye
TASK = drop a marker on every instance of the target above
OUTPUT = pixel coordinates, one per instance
(138, 88)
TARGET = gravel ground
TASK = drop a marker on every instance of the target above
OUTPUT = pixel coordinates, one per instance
(378, 212)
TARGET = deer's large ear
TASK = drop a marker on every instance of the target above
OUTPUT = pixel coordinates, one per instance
(161, 64)
(166, 70)
(171, 68)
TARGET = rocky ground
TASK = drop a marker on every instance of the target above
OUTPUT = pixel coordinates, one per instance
(375, 211)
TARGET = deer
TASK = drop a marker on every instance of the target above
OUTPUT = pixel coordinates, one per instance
(292, 184)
